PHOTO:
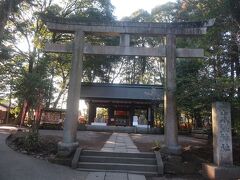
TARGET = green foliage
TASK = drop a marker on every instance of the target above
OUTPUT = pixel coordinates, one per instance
(156, 145)
(235, 117)
(188, 80)
(31, 142)
(102, 113)
(236, 127)
(217, 78)
(33, 86)
(165, 13)
(139, 16)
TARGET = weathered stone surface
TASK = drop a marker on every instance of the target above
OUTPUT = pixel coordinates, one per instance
(125, 40)
(222, 135)
(211, 171)
(66, 149)
(222, 145)
(194, 28)
(124, 50)
(69, 143)
(96, 176)
(170, 120)
(115, 176)
(160, 166)
(136, 177)
(76, 158)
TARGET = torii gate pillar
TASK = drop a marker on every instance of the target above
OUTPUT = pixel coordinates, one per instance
(69, 142)
(124, 30)
(170, 120)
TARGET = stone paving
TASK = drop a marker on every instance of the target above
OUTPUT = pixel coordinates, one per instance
(114, 176)
(120, 142)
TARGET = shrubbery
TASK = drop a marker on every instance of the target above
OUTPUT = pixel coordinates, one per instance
(31, 142)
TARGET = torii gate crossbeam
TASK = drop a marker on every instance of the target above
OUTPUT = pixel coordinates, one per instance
(123, 29)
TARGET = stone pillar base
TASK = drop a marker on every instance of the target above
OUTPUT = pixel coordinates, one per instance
(175, 150)
(212, 171)
(66, 149)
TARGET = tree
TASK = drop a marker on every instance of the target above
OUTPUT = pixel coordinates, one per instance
(142, 70)
(220, 75)
(215, 78)
(26, 59)
(95, 68)
(7, 9)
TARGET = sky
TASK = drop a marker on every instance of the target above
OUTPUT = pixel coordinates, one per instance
(125, 8)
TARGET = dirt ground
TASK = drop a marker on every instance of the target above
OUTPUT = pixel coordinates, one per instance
(87, 139)
(145, 142)
(199, 147)
(48, 140)
(195, 152)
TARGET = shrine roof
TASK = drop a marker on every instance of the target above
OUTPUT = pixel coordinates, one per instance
(121, 92)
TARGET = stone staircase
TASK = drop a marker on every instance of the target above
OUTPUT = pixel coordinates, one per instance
(135, 163)
(199, 133)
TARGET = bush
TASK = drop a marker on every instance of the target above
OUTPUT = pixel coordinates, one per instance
(31, 142)
(156, 146)
(237, 128)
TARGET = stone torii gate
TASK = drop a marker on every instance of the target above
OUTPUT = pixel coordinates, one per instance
(123, 29)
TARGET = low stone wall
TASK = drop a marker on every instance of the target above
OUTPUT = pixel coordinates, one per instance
(122, 129)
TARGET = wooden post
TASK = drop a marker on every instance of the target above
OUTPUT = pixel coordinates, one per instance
(170, 121)
(152, 116)
(69, 143)
(149, 114)
(91, 112)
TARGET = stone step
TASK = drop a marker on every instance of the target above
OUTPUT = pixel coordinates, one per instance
(124, 160)
(200, 136)
(149, 173)
(118, 166)
(117, 154)
(197, 131)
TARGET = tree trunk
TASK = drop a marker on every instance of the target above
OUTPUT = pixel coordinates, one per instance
(50, 89)
(237, 66)
(24, 112)
(232, 61)
(58, 97)
(198, 120)
(6, 8)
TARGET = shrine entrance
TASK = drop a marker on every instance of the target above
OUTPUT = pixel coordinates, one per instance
(121, 103)
(78, 47)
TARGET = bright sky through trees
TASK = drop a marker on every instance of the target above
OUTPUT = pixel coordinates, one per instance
(127, 7)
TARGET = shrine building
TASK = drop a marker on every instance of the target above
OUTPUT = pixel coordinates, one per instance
(123, 102)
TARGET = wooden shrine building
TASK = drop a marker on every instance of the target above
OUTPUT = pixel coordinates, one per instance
(121, 101)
